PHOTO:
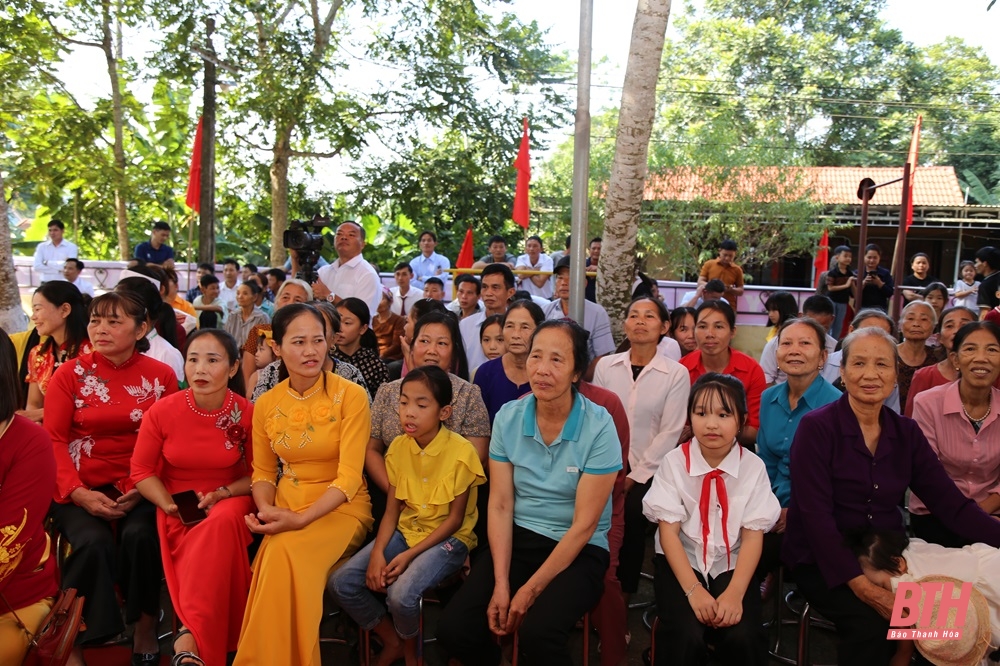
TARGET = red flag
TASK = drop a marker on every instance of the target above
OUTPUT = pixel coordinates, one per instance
(523, 166)
(822, 262)
(466, 256)
(193, 199)
(911, 157)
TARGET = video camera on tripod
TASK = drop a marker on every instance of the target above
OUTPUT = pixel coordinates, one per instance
(305, 238)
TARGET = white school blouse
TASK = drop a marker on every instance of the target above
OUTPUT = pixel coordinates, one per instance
(675, 497)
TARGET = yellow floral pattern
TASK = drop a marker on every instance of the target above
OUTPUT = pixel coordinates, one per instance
(299, 422)
(10, 556)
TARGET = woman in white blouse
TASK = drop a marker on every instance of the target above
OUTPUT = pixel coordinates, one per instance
(654, 391)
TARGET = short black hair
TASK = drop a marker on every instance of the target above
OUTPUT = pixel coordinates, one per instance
(426, 232)
(205, 266)
(230, 260)
(403, 265)
(595, 239)
(577, 335)
(534, 238)
(436, 379)
(56, 223)
(521, 295)
(503, 269)
(716, 286)
(434, 280)
(278, 274)
(841, 248)
(250, 267)
(467, 277)
(206, 280)
(496, 238)
(76, 262)
(880, 547)
(489, 321)
(254, 288)
(161, 226)
(873, 247)
(728, 244)
(989, 255)
(818, 304)
(568, 240)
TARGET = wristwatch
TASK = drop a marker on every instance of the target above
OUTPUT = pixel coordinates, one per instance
(331, 297)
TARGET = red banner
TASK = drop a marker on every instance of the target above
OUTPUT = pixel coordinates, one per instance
(193, 199)
(466, 256)
(523, 166)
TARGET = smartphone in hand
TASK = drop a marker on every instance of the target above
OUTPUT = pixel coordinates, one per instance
(187, 507)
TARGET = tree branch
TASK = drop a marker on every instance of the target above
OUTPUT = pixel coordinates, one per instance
(251, 143)
(70, 40)
(309, 153)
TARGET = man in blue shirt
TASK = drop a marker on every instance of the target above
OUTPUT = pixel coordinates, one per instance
(155, 250)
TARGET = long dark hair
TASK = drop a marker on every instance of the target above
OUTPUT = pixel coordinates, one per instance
(360, 309)
(459, 363)
(10, 387)
(228, 342)
(58, 293)
(160, 314)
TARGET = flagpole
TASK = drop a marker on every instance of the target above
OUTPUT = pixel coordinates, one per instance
(899, 257)
(581, 163)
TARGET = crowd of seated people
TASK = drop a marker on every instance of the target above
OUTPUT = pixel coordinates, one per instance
(369, 444)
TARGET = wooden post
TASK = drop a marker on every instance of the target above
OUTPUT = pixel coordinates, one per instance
(206, 226)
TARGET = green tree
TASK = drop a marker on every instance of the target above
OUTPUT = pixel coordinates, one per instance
(290, 60)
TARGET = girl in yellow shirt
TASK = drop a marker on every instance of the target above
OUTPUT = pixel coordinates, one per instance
(426, 532)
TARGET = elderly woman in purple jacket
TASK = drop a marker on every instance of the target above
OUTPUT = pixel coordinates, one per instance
(851, 463)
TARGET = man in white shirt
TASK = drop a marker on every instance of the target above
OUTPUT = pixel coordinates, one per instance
(428, 263)
(466, 301)
(51, 255)
(230, 282)
(535, 260)
(71, 272)
(349, 276)
(595, 318)
(404, 294)
(497, 290)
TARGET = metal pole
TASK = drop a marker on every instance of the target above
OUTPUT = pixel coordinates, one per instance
(206, 220)
(865, 190)
(581, 164)
(958, 253)
(899, 259)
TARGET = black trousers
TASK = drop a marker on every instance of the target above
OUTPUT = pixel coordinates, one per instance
(681, 638)
(770, 555)
(932, 530)
(125, 553)
(861, 631)
(633, 548)
(463, 629)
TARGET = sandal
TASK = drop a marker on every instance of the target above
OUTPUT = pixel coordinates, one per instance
(145, 658)
(179, 657)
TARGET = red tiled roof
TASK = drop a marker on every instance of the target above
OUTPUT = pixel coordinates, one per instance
(933, 185)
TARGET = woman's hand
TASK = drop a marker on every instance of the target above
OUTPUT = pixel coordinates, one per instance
(375, 576)
(729, 609)
(207, 500)
(704, 605)
(779, 526)
(396, 568)
(404, 344)
(519, 605)
(34, 415)
(497, 610)
(97, 504)
(274, 520)
(129, 500)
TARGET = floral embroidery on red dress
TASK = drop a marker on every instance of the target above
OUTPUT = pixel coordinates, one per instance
(41, 365)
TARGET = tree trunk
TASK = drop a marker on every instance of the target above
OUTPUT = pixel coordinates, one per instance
(623, 202)
(12, 317)
(206, 220)
(279, 193)
(107, 45)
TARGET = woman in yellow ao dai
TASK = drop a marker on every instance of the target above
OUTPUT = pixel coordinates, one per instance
(316, 424)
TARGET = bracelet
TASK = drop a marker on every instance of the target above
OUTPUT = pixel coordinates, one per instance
(691, 591)
(229, 493)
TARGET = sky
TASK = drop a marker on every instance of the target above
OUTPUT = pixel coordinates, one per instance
(923, 22)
